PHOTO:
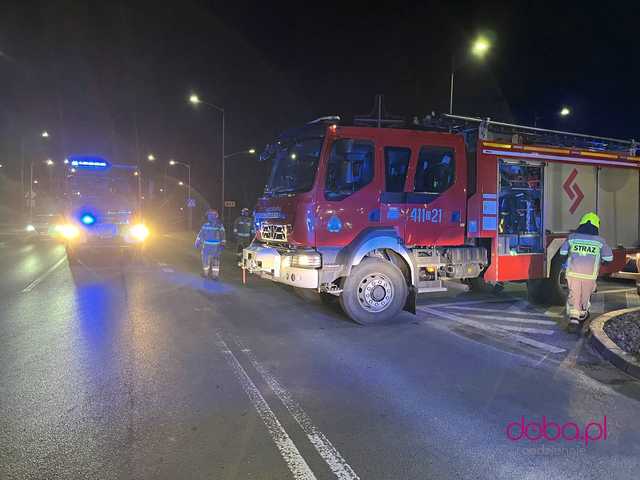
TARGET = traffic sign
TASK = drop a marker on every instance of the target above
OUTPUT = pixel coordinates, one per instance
(230, 203)
(191, 203)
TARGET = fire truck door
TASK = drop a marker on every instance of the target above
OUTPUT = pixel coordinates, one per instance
(393, 211)
(436, 198)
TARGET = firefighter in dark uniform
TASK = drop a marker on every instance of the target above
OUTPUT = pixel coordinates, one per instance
(585, 249)
(243, 230)
(211, 241)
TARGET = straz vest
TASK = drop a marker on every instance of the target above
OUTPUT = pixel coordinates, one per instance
(585, 252)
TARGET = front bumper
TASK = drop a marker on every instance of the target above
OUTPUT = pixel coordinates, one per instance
(270, 263)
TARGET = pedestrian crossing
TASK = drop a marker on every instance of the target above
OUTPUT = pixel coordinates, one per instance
(514, 320)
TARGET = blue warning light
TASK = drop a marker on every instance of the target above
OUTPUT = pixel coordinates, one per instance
(88, 219)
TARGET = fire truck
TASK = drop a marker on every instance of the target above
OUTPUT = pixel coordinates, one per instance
(376, 215)
(102, 207)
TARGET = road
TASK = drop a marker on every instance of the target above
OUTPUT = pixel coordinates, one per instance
(110, 369)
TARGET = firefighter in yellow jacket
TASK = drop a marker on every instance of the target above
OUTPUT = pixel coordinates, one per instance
(585, 249)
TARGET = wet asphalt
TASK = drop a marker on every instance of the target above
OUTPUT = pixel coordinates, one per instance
(112, 368)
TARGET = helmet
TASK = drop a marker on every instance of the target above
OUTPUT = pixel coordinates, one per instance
(244, 212)
(592, 218)
(212, 215)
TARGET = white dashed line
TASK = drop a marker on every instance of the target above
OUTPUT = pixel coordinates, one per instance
(39, 280)
(167, 270)
(290, 453)
(323, 446)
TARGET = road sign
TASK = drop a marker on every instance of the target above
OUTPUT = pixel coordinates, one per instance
(191, 203)
(230, 203)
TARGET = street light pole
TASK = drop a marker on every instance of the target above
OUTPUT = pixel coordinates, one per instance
(453, 71)
(479, 49)
(190, 209)
(195, 100)
(190, 213)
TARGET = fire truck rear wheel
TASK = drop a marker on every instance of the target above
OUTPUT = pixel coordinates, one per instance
(376, 291)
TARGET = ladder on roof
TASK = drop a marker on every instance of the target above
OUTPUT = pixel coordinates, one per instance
(522, 134)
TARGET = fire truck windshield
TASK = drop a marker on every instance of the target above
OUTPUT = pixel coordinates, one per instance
(294, 166)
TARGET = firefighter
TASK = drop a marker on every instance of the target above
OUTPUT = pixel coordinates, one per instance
(243, 230)
(211, 240)
(585, 249)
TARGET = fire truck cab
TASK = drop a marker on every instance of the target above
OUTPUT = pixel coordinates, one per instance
(376, 216)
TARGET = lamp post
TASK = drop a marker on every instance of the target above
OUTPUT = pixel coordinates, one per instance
(45, 135)
(479, 48)
(195, 100)
(188, 167)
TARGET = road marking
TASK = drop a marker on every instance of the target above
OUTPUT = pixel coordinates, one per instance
(470, 302)
(615, 290)
(290, 453)
(493, 329)
(633, 299)
(531, 321)
(167, 270)
(39, 280)
(513, 312)
(537, 331)
(323, 446)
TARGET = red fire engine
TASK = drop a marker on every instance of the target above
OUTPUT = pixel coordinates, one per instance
(377, 215)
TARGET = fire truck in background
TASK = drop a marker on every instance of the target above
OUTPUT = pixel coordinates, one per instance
(377, 215)
(101, 207)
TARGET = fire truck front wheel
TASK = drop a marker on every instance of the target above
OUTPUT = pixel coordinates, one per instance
(374, 292)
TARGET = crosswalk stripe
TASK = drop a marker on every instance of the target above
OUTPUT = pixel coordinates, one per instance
(512, 312)
(493, 329)
(538, 331)
(531, 321)
(471, 302)
(633, 299)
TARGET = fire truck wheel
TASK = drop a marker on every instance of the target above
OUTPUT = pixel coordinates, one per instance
(552, 290)
(376, 291)
(557, 282)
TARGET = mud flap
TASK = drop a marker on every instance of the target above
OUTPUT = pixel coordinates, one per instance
(410, 305)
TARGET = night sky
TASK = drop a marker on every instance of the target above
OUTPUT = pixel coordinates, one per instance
(91, 71)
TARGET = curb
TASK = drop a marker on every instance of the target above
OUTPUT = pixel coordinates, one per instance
(608, 348)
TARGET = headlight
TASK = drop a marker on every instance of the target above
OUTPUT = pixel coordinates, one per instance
(140, 232)
(30, 228)
(306, 260)
(68, 231)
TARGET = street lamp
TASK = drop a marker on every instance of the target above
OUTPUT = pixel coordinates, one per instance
(49, 162)
(151, 157)
(188, 167)
(44, 134)
(195, 100)
(251, 151)
(181, 183)
(565, 111)
(479, 49)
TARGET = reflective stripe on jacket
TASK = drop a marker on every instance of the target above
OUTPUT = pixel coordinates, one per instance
(585, 252)
(211, 234)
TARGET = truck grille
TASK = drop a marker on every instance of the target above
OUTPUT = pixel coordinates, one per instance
(273, 233)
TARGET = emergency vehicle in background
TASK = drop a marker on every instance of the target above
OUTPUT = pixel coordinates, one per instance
(377, 215)
(101, 207)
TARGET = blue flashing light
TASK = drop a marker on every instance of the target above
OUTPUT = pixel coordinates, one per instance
(88, 219)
